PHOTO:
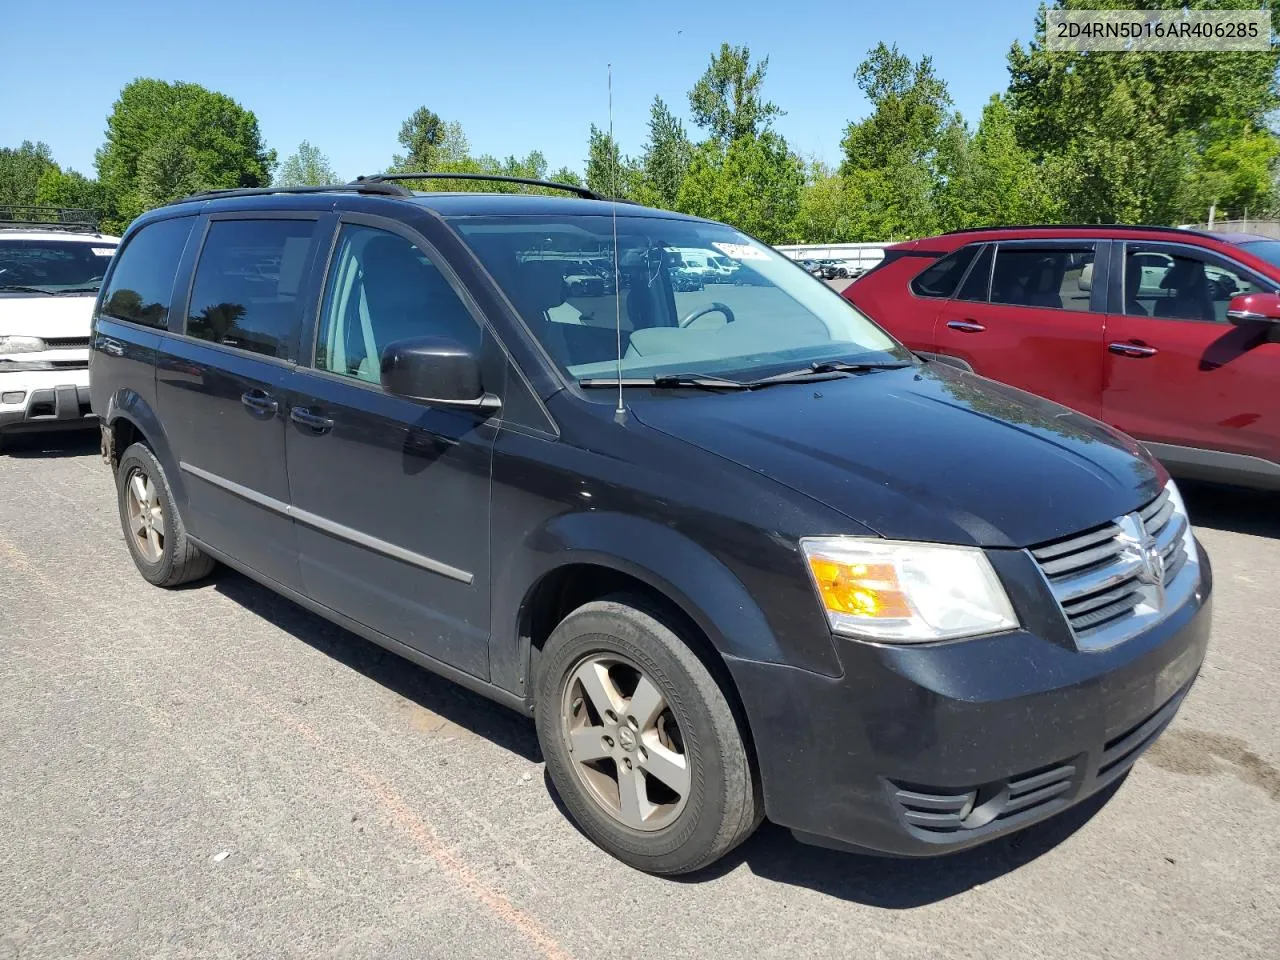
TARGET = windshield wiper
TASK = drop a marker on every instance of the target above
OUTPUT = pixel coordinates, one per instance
(93, 289)
(824, 370)
(668, 380)
(21, 289)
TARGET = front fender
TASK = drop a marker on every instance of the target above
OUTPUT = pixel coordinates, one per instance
(680, 569)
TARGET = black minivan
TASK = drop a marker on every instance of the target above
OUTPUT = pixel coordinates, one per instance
(737, 551)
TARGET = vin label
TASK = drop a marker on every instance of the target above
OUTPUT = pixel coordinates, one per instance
(1157, 31)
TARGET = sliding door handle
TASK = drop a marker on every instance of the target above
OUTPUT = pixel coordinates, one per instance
(310, 420)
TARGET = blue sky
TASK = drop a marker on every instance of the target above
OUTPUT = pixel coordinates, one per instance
(344, 75)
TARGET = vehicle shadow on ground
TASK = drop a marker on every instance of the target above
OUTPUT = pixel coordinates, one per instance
(1233, 509)
(446, 699)
(900, 884)
(772, 853)
(48, 446)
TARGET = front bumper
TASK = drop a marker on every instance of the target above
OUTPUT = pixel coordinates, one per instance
(918, 751)
(50, 400)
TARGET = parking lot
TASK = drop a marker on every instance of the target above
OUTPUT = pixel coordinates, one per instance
(216, 772)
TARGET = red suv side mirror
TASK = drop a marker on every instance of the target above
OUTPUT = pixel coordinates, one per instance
(1254, 308)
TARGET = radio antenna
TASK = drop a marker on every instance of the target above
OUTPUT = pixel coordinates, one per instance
(617, 272)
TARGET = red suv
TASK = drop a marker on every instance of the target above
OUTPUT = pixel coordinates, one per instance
(1171, 335)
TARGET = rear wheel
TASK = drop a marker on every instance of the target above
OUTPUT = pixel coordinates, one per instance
(153, 529)
(640, 740)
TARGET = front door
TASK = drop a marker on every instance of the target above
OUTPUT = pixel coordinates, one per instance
(1028, 319)
(221, 386)
(1176, 371)
(391, 496)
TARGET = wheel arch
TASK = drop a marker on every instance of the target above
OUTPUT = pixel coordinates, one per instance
(130, 419)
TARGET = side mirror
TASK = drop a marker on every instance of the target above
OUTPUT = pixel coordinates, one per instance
(435, 370)
(1254, 308)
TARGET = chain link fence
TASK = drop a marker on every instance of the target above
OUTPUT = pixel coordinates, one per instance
(1259, 228)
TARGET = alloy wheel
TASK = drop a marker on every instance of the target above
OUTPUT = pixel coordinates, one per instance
(625, 744)
(146, 516)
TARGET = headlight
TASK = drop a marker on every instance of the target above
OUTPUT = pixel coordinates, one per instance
(906, 592)
(1188, 536)
(21, 345)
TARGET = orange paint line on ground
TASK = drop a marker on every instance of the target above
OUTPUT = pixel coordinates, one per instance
(408, 822)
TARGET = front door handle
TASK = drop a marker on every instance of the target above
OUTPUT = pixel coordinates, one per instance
(1135, 350)
(259, 401)
(310, 420)
(966, 326)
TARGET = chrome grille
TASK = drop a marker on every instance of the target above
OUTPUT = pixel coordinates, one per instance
(66, 343)
(1108, 579)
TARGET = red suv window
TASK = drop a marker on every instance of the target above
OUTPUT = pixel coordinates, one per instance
(941, 277)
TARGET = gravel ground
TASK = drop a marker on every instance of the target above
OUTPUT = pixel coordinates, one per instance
(214, 772)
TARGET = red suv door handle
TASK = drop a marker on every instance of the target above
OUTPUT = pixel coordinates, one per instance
(1132, 350)
(966, 326)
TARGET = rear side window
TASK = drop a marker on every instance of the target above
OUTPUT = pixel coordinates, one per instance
(941, 278)
(248, 282)
(142, 282)
(1052, 277)
(976, 284)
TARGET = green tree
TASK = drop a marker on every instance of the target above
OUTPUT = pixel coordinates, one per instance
(67, 188)
(609, 173)
(565, 175)
(165, 138)
(898, 158)
(991, 179)
(1145, 137)
(830, 209)
(21, 168)
(166, 170)
(432, 145)
(754, 184)
(666, 158)
(727, 102)
(306, 168)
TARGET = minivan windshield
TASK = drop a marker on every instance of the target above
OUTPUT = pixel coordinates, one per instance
(34, 267)
(765, 317)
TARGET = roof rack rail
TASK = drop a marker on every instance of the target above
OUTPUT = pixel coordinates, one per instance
(385, 189)
(69, 219)
(585, 192)
(1073, 226)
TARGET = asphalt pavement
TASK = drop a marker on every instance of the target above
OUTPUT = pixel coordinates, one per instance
(214, 772)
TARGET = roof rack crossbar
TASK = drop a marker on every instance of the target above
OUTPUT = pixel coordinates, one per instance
(385, 189)
(1072, 226)
(69, 219)
(585, 192)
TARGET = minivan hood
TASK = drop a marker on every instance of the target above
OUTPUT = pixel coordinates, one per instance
(929, 453)
(35, 315)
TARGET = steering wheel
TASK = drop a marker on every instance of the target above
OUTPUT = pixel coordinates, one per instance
(714, 306)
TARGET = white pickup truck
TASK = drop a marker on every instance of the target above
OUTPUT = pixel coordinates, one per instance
(50, 273)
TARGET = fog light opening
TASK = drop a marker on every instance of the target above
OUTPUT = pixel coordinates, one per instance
(13, 396)
(988, 801)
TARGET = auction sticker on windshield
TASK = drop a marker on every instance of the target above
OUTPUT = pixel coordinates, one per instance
(740, 251)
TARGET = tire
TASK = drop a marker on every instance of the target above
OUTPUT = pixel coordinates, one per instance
(721, 804)
(177, 560)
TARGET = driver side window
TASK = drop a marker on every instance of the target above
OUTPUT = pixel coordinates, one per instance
(381, 288)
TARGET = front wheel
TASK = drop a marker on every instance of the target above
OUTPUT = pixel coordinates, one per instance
(640, 741)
